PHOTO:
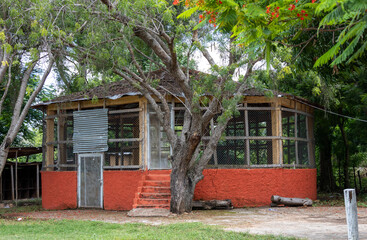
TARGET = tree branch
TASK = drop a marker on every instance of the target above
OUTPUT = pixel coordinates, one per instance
(146, 89)
(6, 88)
(22, 116)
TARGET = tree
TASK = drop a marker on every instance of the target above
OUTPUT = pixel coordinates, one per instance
(262, 23)
(25, 43)
(130, 38)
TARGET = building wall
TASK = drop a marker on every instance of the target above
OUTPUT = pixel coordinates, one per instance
(59, 190)
(254, 187)
(245, 187)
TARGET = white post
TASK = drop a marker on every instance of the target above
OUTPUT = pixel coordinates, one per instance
(350, 200)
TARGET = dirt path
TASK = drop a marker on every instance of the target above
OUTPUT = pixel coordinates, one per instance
(310, 223)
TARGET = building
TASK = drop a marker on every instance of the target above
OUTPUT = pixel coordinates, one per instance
(105, 148)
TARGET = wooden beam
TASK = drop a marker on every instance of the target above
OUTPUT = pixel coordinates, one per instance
(257, 99)
(61, 136)
(38, 180)
(310, 138)
(50, 137)
(95, 103)
(12, 181)
(276, 123)
(143, 122)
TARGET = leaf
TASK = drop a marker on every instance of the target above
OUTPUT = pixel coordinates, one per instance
(188, 13)
(355, 31)
(358, 53)
(44, 32)
(201, 24)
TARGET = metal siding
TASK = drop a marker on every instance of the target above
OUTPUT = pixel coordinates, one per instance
(90, 131)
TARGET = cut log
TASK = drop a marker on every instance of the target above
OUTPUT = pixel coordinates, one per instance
(213, 204)
(277, 200)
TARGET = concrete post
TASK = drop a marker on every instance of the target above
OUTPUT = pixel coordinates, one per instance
(350, 200)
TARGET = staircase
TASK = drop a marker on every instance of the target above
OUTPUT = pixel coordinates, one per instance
(154, 191)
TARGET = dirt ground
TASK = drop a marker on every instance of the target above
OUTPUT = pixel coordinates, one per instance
(309, 223)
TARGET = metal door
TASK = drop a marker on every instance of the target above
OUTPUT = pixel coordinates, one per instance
(90, 180)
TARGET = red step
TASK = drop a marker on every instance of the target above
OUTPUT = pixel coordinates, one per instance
(165, 206)
(153, 191)
(158, 177)
(157, 183)
(149, 201)
(154, 195)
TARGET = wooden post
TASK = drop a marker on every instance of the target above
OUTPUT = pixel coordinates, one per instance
(61, 136)
(142, 130)
(38, 180)
(350, 200)
(50, 137)
(275, 127)
(247, 134)
(44, 129)
(215, 154)
(310, 141)
(143, 122)
(12, 182)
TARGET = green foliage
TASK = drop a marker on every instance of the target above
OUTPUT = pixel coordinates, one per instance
(255, 23)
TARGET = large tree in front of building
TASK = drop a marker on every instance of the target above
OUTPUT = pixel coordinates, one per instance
(128, 39)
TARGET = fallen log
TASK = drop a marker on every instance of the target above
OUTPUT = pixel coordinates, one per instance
(277, 200)
(212, 204)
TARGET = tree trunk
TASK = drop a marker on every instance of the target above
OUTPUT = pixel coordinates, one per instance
(327, 180)
(277, 200)
(182, 191)
(183, 179)
(4, 150)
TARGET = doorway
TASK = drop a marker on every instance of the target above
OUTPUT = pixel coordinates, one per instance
(90, 180)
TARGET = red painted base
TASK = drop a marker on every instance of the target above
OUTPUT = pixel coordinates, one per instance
(245, 187)
(59, 190)
(254, 187)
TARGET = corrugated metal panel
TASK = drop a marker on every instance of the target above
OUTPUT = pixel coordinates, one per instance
(90, 131)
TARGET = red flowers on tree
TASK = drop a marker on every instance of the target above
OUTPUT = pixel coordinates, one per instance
(274, 13)
(291, 7)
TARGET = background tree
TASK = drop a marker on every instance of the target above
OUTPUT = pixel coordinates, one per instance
(25, 43)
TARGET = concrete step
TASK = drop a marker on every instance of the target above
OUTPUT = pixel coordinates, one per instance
(158, 177)
(153, 189)
(147, 201)
(156, 183)
(154, 195)
(164, 206)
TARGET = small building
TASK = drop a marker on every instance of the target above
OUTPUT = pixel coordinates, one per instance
(21, 180)
(103, 144)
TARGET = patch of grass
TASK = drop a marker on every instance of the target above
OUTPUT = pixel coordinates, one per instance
(71, 229)
(337, 200)
(25, 208)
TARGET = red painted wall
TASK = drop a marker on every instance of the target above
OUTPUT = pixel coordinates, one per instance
(254, 187)
(119, 188)
(59, 190)
(245, 187)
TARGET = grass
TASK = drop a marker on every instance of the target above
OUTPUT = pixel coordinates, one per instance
(22, 207)
(337, 200)
(71, 229)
